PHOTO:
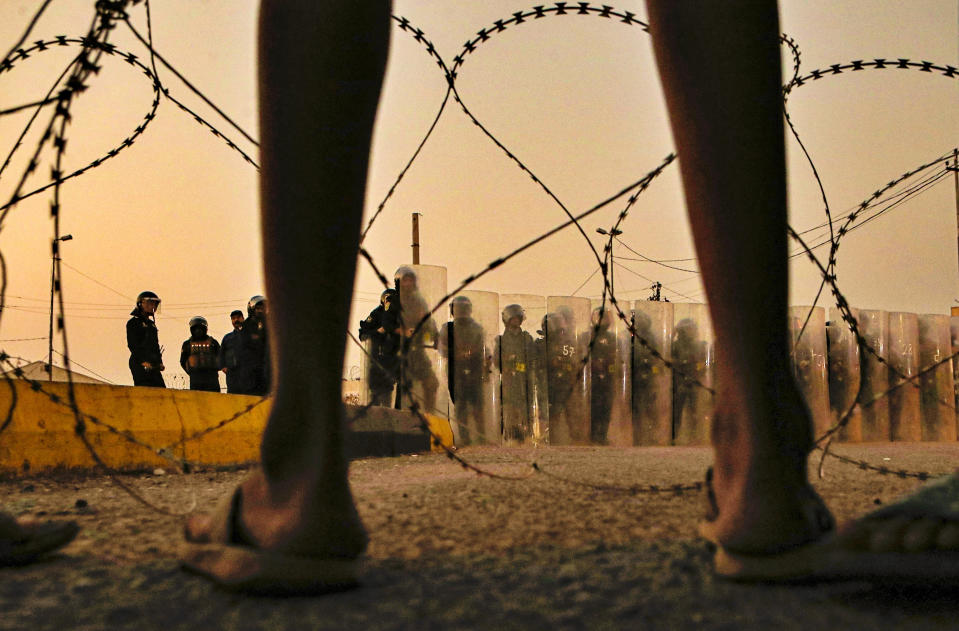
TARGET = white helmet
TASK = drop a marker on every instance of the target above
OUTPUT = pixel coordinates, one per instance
(514, 311)
(402, 272)
(254, 301)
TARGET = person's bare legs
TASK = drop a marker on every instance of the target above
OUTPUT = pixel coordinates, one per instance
(321, 67)
(720, 68)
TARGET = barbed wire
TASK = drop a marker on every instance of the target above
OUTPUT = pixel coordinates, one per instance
(95, 45)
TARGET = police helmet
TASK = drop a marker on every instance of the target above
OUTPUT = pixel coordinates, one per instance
(461, 306)
(514, 311)
(389, 294)
(602, 317)
(198, 321)
(402, 272)
(254, 301)
(686, 329)
(642, 321)
(147, 295)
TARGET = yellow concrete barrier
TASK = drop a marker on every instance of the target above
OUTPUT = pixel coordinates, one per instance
(42, 434)
(205, 428)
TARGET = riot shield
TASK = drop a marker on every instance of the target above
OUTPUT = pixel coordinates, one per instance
(421, 363)
(366, 396)
(874, 328)
(808, 353)
(514, 361)
(936, 392)
(904, 418)
(652, 379)
(564, 355)
(610, 414)
(466, 344)
(843, 356)
(692, 359)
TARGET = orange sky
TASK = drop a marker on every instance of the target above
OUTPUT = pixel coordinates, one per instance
(576, 98)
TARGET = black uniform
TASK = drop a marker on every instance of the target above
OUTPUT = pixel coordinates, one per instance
(230, 359)
(463, 343)
(516, 359)
(689, 370)
(144, 345)
(562, 365)
(200, 359)
(645, 369)
(602, 364)
(254, 366)
(384, 362)
(418, 368)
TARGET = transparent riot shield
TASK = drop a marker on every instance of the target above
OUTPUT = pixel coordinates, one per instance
(874, 328)
(515, 363)
(954, 329)
(564, 355)
(843, 355)
(421, 287)
(610, 413)
(936, 392)
(367, 396)
(466, 344)
(652, 386)
(808, 352)
(904, 418)
(692, 359)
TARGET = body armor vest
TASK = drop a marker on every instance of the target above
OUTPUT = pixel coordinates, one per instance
(202, 356)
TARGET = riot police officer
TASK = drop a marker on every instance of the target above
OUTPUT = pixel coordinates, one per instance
(463, 343)
(516, 358)
(199, 357)
(417, 368)
(383, 329)
(645, 368)
(254, 350)
(230, 353)
(558, 355)
(689, 373)
(602, 364)
(146, 356)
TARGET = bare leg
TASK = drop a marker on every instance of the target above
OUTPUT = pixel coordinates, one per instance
(720, 68)
(321, 69)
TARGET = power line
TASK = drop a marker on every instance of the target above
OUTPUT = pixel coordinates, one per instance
(73, 361)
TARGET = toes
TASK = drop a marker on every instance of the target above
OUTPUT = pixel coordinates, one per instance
(901, 534)
(887, 534)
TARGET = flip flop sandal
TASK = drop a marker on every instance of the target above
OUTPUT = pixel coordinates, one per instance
(844, 556)
(229, 561)
(21, 544)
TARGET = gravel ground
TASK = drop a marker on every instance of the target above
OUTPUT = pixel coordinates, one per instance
(452, 549)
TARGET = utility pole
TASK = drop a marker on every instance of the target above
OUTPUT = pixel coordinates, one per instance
(955, 178)
(416, 238)
(53, 284)
(612, 234)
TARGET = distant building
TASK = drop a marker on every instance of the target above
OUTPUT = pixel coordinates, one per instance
(37, 371)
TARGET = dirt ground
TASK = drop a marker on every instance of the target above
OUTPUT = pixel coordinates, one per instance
(451, 549)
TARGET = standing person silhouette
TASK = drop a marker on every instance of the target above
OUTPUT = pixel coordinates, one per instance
(292, 525)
